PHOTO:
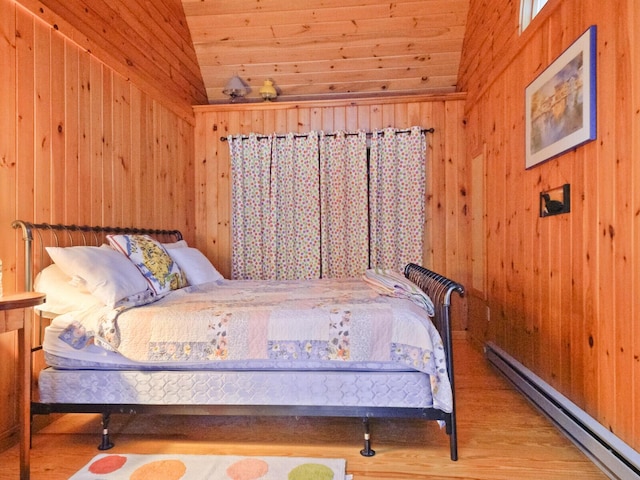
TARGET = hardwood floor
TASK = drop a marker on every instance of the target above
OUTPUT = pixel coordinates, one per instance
(501, 436)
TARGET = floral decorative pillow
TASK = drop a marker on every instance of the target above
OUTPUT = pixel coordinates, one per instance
(153, 261)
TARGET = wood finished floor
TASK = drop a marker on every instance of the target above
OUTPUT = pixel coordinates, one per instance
(501, 436)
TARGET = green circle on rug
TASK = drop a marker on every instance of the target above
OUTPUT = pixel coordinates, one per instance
(311, 471)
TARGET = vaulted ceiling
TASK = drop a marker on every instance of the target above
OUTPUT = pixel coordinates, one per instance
(328, 48)
(185, 51)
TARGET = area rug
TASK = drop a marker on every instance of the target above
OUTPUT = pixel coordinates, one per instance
(210, 467)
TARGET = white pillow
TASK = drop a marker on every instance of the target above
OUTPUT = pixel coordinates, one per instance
(107, 274)
(62, 297)
(196, 267)
(178, 244)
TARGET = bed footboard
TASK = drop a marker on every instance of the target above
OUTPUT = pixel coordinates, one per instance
(440, 289)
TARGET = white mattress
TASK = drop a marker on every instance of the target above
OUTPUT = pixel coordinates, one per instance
(299, 388)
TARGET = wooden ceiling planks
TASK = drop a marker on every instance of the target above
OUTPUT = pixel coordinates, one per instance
(324, 49)
(184, 52)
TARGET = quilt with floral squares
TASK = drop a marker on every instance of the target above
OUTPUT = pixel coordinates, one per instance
(329, 320)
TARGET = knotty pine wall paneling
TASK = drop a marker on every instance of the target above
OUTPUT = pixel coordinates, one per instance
(447, 245)
(8, 342)
(562, 290)
(146, 42)
(79, 143)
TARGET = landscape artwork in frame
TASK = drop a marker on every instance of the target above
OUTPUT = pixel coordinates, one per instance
(561, 102)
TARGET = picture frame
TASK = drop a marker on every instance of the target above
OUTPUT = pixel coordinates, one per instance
(560, 104)
(555, 201)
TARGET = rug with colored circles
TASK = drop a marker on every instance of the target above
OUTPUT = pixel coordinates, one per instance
(210, 467)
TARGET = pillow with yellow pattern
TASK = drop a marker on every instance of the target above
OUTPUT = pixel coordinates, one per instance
(153, 261)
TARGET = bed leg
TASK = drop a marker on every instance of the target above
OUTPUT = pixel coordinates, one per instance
(367, 451)
(452, 430)
(106, 442)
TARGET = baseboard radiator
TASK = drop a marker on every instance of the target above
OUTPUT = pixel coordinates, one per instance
(614, 457)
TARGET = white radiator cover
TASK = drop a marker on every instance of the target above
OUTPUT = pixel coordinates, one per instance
(614, 457)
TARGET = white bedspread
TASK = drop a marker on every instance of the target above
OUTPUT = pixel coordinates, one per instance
(296, 321)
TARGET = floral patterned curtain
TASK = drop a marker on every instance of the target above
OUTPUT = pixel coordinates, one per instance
(295, 207)
(252, 226)
(310, 206)
(343, 186)
(275, 207)
(397, 185)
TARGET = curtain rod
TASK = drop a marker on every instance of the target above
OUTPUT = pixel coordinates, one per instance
(304, 135)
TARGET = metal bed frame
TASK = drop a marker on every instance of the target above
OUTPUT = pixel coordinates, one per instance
(436, 286)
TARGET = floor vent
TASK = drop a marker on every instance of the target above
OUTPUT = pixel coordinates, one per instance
(614, 457)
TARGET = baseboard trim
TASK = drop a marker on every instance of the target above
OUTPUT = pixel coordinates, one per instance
(614, 457)
(8, 438)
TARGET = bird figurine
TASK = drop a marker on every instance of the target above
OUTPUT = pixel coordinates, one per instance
(552, 206)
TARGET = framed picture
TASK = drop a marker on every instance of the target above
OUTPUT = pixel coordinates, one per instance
(561, 103)
(555, 201)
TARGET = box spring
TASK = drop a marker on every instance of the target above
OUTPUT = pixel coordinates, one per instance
(408, 389)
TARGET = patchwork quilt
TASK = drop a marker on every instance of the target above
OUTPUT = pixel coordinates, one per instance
(332, 320)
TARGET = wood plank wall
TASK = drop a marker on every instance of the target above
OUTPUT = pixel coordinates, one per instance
(79, 143)
(447, 227)
(562, 290)
(146, 42)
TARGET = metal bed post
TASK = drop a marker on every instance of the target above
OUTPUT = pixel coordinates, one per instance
(27, 236)
(440, 289)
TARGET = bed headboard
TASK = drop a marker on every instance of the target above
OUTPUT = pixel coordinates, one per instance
(37, 236)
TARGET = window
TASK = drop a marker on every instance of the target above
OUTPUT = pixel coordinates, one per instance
(528, 10)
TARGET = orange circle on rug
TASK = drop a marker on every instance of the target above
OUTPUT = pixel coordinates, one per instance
(108, 464)
(160, 470)
(248, 469)
(311, 471)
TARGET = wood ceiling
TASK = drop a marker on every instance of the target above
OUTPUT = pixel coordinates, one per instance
(185, 51)
(323, 49)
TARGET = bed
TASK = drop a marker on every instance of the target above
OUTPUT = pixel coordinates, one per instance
(187, 341)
